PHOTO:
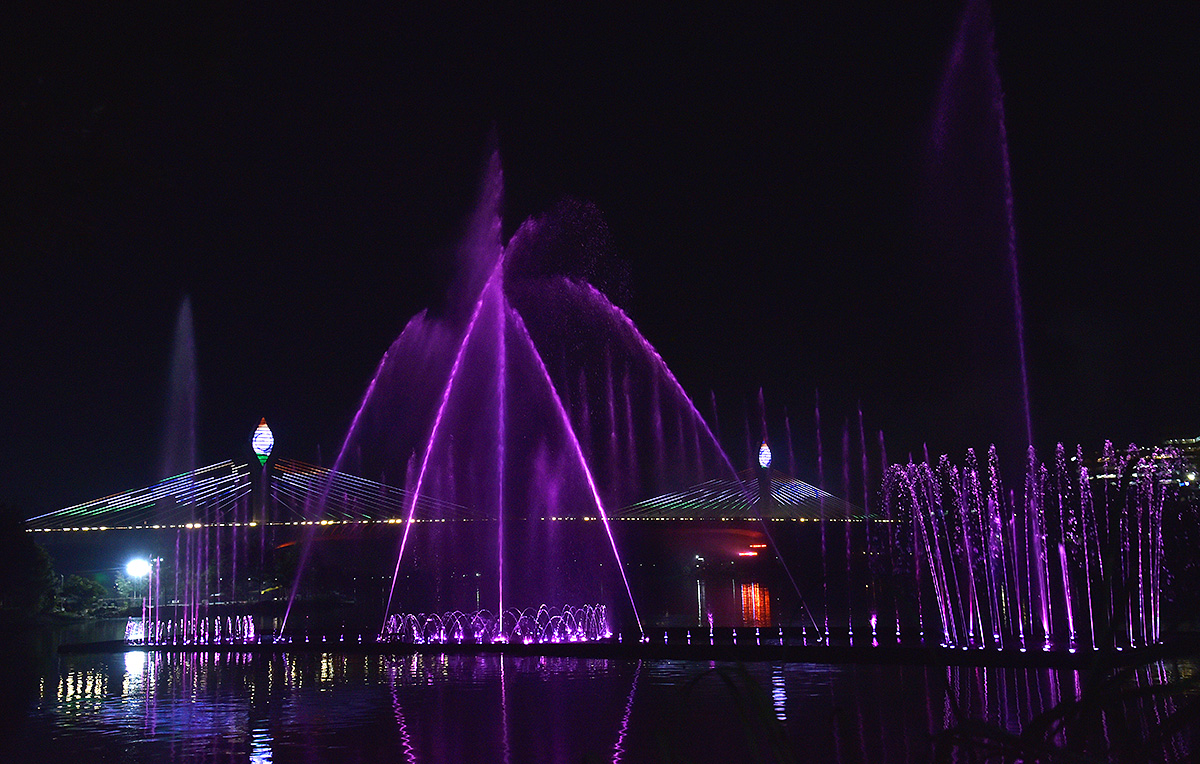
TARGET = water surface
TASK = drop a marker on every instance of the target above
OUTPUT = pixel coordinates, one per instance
(337, 707)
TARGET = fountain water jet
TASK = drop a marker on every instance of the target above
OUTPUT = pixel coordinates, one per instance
(179, 436)
(971, 210)
(991, 577)
(525, 428)
(437, 421)
(207, 509)
(591, 481)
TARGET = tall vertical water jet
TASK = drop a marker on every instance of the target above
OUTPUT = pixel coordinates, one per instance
(520, 410)
(873, 612)
(1013, 576)
(821, 486)
(178, 453)
(850, 566)
(971, 220)
(501, 401)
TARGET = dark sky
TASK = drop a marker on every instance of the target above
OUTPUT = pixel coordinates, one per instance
(766, 178)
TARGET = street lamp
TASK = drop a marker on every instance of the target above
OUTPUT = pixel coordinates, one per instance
(138, 568)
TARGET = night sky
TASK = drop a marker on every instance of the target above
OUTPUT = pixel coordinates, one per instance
(767, 179)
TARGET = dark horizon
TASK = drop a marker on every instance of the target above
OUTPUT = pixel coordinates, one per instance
(765, 181)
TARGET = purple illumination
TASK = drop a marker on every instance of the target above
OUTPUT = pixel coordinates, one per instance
(591, 482)
(971, 208)
(544, 625)
(619, 748)
(527, 398)
(983, 559)
(437, 421)
(529, 405)
(226, 630)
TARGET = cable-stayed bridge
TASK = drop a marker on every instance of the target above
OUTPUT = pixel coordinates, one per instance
(303, 494)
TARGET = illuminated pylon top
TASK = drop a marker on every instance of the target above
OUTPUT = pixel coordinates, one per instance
(764, 456)
(262, 441)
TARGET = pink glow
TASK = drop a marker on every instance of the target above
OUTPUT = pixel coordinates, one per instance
(566, 420)
(437, 421)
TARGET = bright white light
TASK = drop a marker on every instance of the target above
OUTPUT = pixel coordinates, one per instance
(138, 568)
(1191, 476)
(260, 746)
(135, 663)
(764, 456)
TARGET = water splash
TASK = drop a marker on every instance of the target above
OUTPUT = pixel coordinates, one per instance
(526, 402)
(984, 560)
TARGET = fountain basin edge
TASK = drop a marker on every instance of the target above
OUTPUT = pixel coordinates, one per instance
(636, 650)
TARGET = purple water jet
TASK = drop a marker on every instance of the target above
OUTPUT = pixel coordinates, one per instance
(526, 405)
(990, 578)
(970, 211)
(179, 435)
(202, 561)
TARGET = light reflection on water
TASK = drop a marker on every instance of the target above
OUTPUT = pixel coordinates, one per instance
(157, 707)
(260, 746)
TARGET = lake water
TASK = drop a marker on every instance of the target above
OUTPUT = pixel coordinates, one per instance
(339, 707)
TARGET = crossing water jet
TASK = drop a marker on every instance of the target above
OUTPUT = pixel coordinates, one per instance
(527, 405)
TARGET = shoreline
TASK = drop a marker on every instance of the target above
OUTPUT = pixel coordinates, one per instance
(634, 650)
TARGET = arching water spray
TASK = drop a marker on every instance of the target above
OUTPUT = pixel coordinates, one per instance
(306, 546)
(491, 283)
(625, 321)
(578, 451)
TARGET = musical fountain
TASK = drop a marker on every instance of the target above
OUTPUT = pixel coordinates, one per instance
(1076, 562)
(512, 464)
(525, 407)
(514, 418)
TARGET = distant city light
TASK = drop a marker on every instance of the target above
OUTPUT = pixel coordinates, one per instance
(764, 456)
(138, 568)
(262, 441)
